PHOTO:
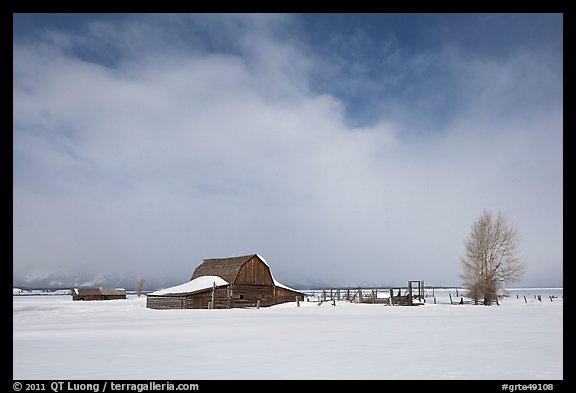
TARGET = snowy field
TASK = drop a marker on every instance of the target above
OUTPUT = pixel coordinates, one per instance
(57, 338)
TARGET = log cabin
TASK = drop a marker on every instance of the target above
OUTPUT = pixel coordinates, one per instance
(98, 293)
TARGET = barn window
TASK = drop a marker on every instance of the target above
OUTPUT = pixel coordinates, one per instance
(241, 296)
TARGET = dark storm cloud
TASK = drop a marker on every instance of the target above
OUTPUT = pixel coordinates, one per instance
(145, 144)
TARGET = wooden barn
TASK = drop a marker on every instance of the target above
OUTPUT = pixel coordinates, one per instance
(98, 293)
(244, 281)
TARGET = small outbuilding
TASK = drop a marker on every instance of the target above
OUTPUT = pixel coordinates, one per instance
(98, 293)
(244, 281)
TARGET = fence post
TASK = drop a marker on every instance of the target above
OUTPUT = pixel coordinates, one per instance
(228, 298)
(449, 294)
(258, 304)
(297, 301)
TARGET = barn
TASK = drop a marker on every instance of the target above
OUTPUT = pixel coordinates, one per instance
(98, 293)
(244, 281)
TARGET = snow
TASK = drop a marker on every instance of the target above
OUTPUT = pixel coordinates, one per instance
(18, 291)
(198, 284)
(122, 339)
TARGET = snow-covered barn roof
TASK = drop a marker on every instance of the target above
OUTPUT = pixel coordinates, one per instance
(198, 284)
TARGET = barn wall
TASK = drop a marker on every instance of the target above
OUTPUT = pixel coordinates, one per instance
(253, 293)
(284, 295)
(254, 272)
(165, 302)
(197, 301)
(202, 299)
(240, 296)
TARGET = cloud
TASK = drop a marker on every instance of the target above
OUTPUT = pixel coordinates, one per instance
(204, 137)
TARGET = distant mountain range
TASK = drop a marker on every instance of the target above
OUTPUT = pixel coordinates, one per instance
(61, 280)
(67, 280)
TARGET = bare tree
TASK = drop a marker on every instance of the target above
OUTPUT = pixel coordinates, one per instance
(490, 258)
(140, 286)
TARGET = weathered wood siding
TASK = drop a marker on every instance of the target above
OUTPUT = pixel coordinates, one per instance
(248, 295)
(237, 296)
(196, 300)
(202, 299)
(254, 272)
(284, 295)
(165, 302)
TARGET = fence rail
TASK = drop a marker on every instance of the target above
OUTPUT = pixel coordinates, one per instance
(431, 295)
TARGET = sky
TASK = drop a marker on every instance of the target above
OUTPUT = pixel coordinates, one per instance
(346, 149)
